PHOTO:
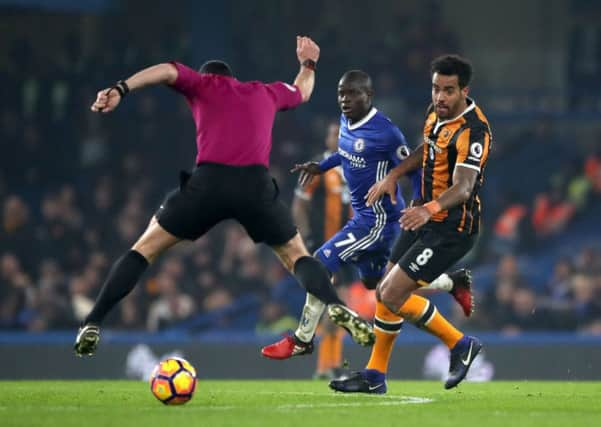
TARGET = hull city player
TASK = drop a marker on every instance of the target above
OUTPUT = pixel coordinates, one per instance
(457, 140)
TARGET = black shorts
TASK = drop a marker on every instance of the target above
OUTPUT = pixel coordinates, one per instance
(216, 192)
(430, 251)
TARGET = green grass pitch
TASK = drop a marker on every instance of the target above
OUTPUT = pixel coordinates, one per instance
(301, 403)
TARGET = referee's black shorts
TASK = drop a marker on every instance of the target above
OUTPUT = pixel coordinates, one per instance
(215, 192)
(430, 251)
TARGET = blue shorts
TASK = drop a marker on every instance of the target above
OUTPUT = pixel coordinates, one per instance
(364, 246)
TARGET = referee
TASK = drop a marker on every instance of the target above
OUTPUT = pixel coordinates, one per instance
(233, 137)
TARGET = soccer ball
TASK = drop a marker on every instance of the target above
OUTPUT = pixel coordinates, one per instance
(173, 381)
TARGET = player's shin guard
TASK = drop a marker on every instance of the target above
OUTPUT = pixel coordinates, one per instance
(312, 312)
(387, 326)
(122, 278)
(314, 277)
(423, 314)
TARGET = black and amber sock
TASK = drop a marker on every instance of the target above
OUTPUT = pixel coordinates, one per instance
(387, 326)
(423, 314)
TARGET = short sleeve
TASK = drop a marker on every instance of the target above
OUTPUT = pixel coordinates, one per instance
(284, 95)
(472, 147)
(396, 145)
(188, 81)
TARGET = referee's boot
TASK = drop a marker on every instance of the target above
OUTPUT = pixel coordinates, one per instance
(462, 356)
(360, 329)
(369, 381)
(462, 290)
(87, 340)
(287, 347)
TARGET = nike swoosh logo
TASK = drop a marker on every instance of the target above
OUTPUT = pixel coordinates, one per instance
(469, 355)
(375, 387)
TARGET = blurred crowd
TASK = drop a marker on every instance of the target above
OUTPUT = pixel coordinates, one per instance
(567, 298)
(77, 189)
(561, 190)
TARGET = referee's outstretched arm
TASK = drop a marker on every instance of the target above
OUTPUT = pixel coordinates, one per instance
(108, 99)
(307, 53)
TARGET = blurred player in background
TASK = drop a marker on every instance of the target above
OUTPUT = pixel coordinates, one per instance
(369, 146)
(333, 206)
(457, 139)
(320, 209)
(231, 180)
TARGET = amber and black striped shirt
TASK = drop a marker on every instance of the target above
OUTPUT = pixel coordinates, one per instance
(465, 141)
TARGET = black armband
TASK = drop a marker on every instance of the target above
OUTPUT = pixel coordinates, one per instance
(310, 64)
(122, 88)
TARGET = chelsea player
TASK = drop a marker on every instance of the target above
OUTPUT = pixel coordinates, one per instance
(369, 146)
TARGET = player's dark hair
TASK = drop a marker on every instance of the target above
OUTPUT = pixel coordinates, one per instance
(453, 65)
(361, 78)
(215, 66)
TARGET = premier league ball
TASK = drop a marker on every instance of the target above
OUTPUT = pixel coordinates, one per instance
(173, 381)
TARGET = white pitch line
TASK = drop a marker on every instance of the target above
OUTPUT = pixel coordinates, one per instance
(365, 401)
(329, 394)
(293, 393)
(391, 401)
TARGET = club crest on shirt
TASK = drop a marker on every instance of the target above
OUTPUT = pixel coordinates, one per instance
(359, 145)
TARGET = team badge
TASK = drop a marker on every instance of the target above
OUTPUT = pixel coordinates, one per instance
(402, 152)
(359, 145)
(304, 320)
(327, 253)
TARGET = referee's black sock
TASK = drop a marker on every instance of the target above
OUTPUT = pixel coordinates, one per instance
(122, 278)
(314, 277)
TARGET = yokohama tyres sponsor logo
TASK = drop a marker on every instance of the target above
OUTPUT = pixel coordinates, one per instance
(356, 161)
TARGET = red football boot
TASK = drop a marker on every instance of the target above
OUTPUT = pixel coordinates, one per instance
(462, 290)
(286, 348)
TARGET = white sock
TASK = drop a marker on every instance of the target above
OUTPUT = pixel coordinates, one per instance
(309, 320)
(442, 283)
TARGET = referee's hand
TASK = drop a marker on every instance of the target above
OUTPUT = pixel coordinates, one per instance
(306, 49)
(307, 172)
(106, 101)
